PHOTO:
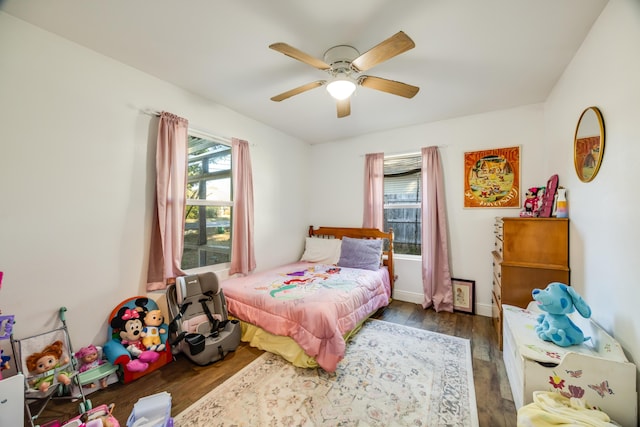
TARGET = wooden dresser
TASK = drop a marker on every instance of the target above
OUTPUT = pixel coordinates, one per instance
(528, 253)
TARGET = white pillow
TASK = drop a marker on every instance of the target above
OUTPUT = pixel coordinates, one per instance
(325, 251)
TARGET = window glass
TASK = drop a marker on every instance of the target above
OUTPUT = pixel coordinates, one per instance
(402, 202)
(207, 232)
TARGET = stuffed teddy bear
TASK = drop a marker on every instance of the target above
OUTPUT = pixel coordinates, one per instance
(555, 326)
(129, 324)
(153, 321)
(44, 365)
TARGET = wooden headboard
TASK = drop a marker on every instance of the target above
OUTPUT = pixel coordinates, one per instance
(360, 233)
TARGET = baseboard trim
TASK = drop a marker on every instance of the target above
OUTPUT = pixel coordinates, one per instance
(416, 298)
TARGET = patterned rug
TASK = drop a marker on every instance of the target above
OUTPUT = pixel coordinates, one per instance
(391, 375)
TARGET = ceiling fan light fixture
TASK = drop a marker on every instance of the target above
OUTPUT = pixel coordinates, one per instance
(341, 88)
(344, 64)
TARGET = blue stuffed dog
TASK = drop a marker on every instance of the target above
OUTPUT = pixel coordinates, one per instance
(558, 300)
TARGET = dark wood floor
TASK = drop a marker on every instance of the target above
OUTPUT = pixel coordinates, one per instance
(187, 382)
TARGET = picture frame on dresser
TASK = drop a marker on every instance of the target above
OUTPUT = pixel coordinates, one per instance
(464, 295)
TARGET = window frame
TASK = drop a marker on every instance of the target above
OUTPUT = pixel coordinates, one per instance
(210, 203)
(410, 205)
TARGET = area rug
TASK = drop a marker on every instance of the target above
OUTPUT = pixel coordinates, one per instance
(391, 375)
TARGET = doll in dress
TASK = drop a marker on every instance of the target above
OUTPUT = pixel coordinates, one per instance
(88, 358)
(46, 365)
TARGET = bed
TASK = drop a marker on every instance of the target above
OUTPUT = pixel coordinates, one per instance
(305, 311)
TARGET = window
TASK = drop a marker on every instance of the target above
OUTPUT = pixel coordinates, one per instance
(402, 202)
(207, 230)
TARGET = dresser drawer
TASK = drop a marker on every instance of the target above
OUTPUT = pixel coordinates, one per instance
(497, 271)
(498, 231)
(497, 291)
(496, 314)
(498, 228)
(498, 247)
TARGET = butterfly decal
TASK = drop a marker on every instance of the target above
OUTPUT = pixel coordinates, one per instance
(574, 374)
(602, 388)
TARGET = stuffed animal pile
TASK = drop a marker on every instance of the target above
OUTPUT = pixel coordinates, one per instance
(139, 330)
(558, 300)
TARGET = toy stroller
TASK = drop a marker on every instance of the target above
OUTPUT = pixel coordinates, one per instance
(49, 369)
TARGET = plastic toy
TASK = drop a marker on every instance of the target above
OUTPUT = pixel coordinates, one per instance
(46, 363)
(558, 300)
(88, 357)
(101, 416)
(4, 362)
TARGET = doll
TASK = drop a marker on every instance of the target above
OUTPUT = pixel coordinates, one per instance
(153, 321)
(44, 366)
(88, 358)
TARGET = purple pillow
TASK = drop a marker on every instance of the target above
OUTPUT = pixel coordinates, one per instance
(361, 253)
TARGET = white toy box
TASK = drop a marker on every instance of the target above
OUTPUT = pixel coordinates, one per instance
(596, 371)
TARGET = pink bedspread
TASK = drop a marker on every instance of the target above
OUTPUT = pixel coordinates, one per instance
(312, 303)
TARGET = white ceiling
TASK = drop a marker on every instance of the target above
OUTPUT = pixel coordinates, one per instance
(470, 57)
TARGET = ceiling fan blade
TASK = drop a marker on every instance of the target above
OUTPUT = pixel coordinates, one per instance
(393, 46)
(344, 107)
(389, 86)
(298, 90)
(300, 55)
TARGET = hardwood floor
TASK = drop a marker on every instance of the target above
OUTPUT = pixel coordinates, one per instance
(188, 382)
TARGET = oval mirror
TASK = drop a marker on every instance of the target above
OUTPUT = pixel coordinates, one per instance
(588, 144)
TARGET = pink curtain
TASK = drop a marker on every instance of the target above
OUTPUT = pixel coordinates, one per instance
(242, 252)
(374, 191)
(436, 274)
(167, 240)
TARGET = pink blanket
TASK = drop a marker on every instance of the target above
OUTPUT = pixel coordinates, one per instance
(314, 304)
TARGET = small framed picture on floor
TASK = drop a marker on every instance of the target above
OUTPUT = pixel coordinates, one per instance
(464, 298)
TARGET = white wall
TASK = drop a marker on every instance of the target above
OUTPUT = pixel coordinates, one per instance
(604, 223)
(76, 180)
(337, 180)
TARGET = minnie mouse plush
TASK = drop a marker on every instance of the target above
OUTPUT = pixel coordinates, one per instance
(129, 324)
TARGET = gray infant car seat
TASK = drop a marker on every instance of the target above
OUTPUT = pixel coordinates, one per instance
(200, 327)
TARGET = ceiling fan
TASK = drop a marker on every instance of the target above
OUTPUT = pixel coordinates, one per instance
(345, 66)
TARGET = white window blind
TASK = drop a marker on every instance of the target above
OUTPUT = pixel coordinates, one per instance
(402, 180)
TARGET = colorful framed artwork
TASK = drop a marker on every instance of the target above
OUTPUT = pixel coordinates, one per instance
(492, 178)
(464, 297)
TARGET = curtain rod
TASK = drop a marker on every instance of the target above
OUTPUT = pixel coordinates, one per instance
(223, 139)
(404, 153)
